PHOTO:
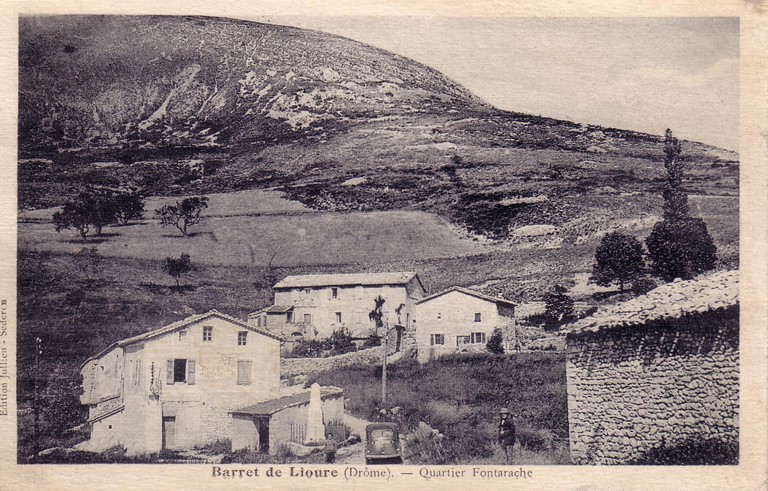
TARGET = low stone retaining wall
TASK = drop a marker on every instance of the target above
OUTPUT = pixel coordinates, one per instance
(297, 367)
(292, 367)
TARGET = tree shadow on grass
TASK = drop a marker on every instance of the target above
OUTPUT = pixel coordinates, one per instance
(164, 289)
(89, 241)
(183, 288)
(189, 235)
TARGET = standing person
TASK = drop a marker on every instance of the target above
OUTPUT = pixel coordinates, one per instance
(507, 434)
(330, 449)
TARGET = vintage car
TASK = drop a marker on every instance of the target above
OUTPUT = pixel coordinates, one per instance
(382, 444)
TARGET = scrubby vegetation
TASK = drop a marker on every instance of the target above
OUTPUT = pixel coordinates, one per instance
(459, 397)
(693, 451)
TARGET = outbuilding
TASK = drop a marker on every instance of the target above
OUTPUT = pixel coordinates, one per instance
(657, 374)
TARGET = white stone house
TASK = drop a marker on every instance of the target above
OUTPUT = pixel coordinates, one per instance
(314, 306)
(174, 387)
(459, 319)
(655, 372)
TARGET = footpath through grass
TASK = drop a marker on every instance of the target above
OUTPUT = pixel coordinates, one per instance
(459, 397)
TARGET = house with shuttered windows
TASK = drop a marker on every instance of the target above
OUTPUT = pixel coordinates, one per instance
(175, 386)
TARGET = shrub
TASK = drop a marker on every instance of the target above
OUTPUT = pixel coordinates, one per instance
(495, 343)
(643, 285)
(559, 307)
(711, 451)
(537, 440)
(372, 341)
(216, 448)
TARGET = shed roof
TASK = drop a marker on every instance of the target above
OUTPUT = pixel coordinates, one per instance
(179, 325)
(272, 406)
(353, 279)
(278, 309)
(467, 291)
(669, 301)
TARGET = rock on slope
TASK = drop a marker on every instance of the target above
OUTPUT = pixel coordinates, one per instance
(170, 81)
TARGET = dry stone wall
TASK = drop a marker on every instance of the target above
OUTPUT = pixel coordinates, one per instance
(633, 389)
(298, 367)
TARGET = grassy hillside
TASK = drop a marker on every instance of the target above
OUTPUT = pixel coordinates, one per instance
(460, 396)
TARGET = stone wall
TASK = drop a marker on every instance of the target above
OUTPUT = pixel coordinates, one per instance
(633, 389)
(297, 367)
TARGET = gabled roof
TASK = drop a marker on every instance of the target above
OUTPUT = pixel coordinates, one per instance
(176, 326)
(674, 300)
(469, 292)
(353, 279)
(272, 406)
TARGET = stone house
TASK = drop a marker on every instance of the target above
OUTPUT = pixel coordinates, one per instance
(314, 306)
(174, 387)
(459, 319)
(655, 372)
(265, 426)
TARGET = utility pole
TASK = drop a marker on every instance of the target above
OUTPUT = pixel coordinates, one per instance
(384, 368)
(38, 352)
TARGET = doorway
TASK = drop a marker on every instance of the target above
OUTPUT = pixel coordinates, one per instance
(169, 432)
(262, 426)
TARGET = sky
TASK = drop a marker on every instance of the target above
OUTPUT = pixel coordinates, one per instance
(643, 74)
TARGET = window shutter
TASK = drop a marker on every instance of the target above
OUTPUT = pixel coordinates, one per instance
(190, 372)
(169, 372)
(248, 372)
(243, 372)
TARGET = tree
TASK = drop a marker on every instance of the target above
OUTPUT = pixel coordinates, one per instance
(495, 343)
(183, 213)
(377, 314)
(175, 267)
(90, 208)
(681, 249)
(619, 257)
(74, 214)
(679, 246)
(558, 305)
(129, 205)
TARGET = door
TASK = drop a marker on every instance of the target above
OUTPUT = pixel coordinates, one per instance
(169, 431)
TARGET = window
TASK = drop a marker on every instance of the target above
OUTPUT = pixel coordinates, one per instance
(439, 315)
(477, 337)
(207, 333)
(334, 293)
(478, 317)
(180, 371)
(289, 317)
(183, 335)
(307, 318)
(244, 372)
(258, 321)
(242, 338)
(338, 317)
(306, 291)
(436, 339)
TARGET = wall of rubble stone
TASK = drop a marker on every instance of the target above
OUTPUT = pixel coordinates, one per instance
(298, 367)
(633, 389)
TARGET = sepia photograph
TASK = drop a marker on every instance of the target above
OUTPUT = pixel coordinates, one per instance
(357, 244)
